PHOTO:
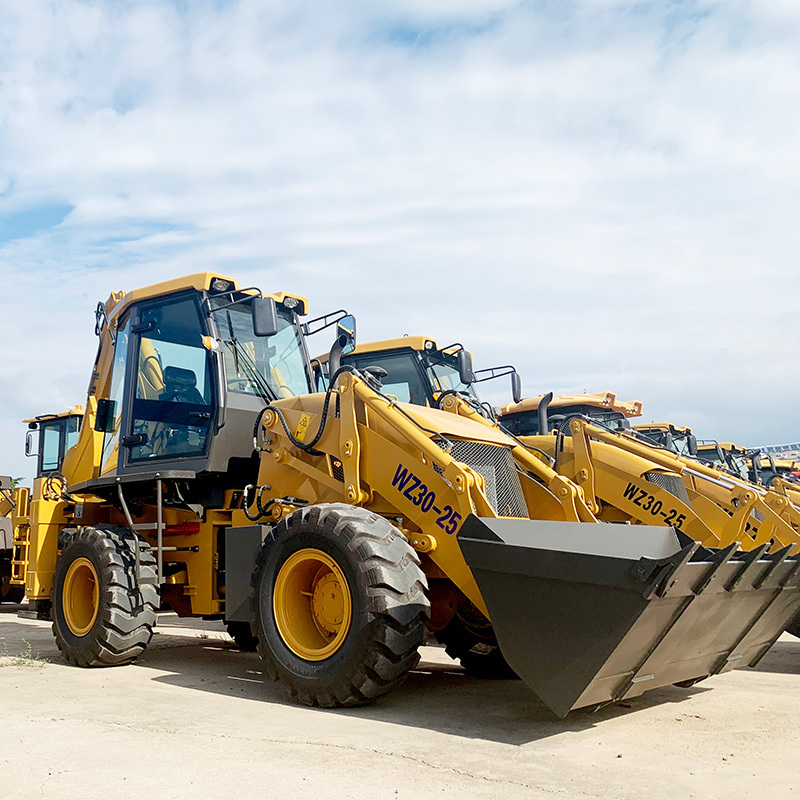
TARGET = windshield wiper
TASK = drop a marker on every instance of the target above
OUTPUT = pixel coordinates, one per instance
(250, 368)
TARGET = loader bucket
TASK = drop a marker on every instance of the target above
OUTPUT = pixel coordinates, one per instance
(588, 614)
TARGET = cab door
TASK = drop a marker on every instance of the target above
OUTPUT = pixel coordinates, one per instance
(170, 386)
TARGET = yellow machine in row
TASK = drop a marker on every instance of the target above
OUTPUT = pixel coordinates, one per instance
(58, 433)
(9, 593)
(598, 446)
(586, 438)
(337, 527)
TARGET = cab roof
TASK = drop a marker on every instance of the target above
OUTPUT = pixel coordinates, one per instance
(77, 411)
(603, 400)
(723, 445)
(419, 343)
(662, 426)
(199, 281)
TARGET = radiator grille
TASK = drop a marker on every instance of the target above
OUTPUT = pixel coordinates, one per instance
(496, 465)
(671, 483)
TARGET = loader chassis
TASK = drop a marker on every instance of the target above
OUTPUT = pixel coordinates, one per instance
(332, 529)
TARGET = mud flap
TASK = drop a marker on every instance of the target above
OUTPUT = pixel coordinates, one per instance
(593, 613)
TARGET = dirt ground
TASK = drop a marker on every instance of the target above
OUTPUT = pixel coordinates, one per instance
(193, 719)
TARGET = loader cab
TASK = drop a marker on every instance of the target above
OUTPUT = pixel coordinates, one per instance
(417, 371)
(522, 419)
(526, 423)
(191, 371)
(680, 441)
(771, 468)
(56, 434)
(725, 456)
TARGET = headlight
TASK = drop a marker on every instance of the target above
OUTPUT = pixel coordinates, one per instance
(220, 285)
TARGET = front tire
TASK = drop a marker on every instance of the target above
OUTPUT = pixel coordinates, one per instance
(102, 615)
(340, 605)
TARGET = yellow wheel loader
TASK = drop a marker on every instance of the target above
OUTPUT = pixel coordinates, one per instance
(620, 479)
(749, 464)
(631, 481)
(340, 526)
(9, 593)
(731, 507)
(58, 433)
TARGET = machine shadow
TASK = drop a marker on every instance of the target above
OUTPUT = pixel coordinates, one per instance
(436, 697)
(783, 657)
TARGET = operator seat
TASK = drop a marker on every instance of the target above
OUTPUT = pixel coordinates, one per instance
(151, 377)
(180, 386)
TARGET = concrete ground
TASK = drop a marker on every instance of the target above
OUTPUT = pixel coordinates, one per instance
(193, 719)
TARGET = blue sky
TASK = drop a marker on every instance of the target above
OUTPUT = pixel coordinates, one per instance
(604, 193)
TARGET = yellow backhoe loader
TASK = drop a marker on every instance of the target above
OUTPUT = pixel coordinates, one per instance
(777, 475)
(730, 506)
(750, 463)
(58, 433)
(623, 480)
(632, 481)
(209, 478)
(9, 593)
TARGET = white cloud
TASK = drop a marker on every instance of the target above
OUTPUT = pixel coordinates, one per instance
(604, 193)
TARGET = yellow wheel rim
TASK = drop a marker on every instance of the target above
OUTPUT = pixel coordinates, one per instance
(81, 596)
(312, 604)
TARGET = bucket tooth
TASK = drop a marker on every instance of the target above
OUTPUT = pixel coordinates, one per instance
(591, 613)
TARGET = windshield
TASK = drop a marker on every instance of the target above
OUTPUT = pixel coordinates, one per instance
(413, 377)
(680, 444)
(261, 365)
(404, 378)
(738, 465)
(526, 423)
(709, 454)
(445, 377)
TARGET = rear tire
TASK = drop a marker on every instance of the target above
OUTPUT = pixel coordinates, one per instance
(9, 593)
(794, 628)
(469, 638)
(365, 642)
(103, 616)
(243, 635)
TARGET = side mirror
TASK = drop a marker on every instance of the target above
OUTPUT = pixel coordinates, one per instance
(265, 316)
(516, 387)
(344, 343)
(104, 419)
(29, 451)
(464, 365)
(346, 334)
(691, 441)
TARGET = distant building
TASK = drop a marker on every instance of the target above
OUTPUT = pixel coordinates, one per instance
(782, 450)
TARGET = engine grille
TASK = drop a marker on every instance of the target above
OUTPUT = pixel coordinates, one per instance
(670, 483)
(496, 465)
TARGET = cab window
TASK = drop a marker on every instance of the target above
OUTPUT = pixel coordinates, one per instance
(404, 380)
(173, 400)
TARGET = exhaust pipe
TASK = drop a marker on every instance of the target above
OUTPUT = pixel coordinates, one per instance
(544, 427)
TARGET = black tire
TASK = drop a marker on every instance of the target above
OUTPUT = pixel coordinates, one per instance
(388, 606)
(794, 627)
(243, 635)
(9, 593)
(469, 638)
(126, 608)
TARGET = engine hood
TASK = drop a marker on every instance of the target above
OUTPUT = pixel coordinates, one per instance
(451, 425)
